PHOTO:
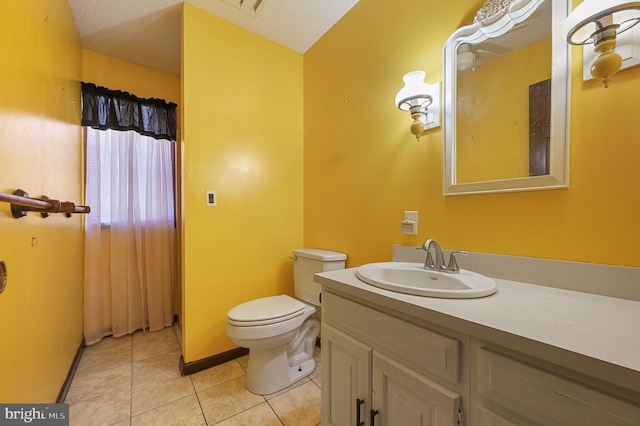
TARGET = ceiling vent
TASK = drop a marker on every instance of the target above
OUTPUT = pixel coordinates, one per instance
(250, 7)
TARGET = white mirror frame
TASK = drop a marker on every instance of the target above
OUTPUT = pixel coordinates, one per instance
(492, 27)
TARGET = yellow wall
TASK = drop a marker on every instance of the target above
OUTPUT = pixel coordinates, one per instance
(498, 149)
(363, 168)
(243, 132)
(138, 80)
(40, 152)
(242, 137)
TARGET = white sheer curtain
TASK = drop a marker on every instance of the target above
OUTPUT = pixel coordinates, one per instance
(130, 266)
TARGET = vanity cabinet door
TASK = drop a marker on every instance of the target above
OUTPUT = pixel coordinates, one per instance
(403, 397)
(486, 417)
(507, 386)
(346, 366)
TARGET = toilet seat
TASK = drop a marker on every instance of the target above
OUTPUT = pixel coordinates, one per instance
(265, 311)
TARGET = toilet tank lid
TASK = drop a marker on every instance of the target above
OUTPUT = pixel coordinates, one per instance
(318, 254)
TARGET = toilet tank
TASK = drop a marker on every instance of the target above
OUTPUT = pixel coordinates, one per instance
(308, 262)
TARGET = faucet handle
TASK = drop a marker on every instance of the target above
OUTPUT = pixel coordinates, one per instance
(453, 267)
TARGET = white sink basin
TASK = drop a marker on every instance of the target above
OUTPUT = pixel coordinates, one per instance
(412, 278)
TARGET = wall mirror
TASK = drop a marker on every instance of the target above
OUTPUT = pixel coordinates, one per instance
(506, 99)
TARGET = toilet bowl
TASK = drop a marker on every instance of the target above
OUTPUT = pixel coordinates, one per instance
(280, 348)
(281, 331)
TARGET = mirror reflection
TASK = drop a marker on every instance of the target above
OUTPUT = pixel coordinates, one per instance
(504, 128)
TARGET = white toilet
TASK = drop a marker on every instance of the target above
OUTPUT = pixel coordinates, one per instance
(281, 331)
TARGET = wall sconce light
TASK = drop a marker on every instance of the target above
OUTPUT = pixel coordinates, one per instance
(599, 22)
(421, 100)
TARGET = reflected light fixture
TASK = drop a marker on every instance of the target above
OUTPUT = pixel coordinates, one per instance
(416, 96)
(465, 58)
(598, 22)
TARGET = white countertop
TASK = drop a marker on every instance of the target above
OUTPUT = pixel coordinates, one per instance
(603, 328)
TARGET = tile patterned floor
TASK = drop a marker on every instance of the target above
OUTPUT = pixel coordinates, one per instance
(135, 381)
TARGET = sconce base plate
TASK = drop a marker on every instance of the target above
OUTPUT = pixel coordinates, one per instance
(432, 119)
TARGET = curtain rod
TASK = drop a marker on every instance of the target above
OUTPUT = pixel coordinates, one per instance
(21, 204)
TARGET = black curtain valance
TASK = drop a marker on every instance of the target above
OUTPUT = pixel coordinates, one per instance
(104, 109)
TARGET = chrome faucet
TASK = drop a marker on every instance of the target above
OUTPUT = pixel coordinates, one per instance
(438, 265)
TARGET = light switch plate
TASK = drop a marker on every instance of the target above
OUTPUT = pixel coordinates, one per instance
(212, 199)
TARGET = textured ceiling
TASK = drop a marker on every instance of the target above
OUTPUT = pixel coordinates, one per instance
(147, 32)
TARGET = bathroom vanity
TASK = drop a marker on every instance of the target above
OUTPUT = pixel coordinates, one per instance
(526, 355)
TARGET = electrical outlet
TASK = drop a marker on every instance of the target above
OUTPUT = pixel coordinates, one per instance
(410, 223)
